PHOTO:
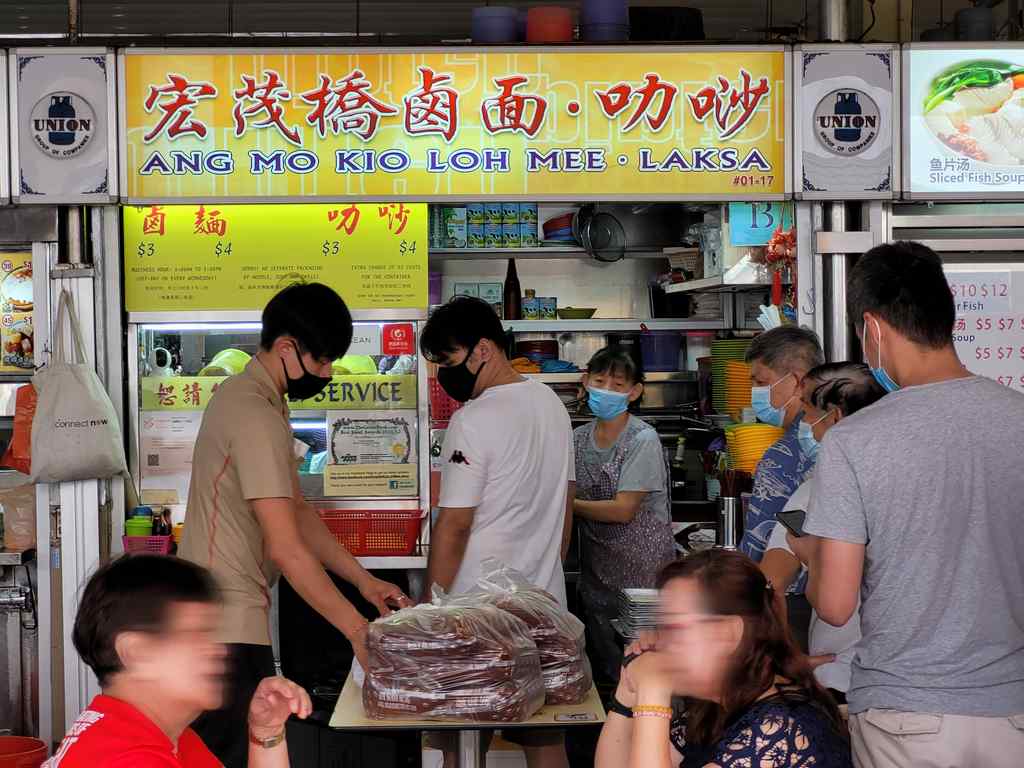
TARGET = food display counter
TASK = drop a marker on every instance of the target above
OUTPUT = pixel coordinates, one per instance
(362, 437)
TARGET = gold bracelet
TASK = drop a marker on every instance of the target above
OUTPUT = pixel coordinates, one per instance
(653, 711)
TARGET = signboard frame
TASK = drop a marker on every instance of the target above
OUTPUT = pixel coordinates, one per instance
(909, 193)
(5, 144)
(786, 120)
(798, 118)
(111, 195)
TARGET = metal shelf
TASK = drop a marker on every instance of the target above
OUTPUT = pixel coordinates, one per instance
(715, 285)
(743, 276)
(413, 562)
(545, 252)
(649, 378)
(619, 324)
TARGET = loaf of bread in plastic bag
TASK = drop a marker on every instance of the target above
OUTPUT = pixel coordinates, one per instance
(452, 662)
(560, 636)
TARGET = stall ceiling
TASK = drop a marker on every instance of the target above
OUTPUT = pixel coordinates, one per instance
(369, 21)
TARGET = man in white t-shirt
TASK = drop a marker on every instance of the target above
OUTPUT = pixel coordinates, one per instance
(509, 478)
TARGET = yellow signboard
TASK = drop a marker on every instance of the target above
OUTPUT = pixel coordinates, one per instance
(193, 393)
(236, 257)
(532, 123)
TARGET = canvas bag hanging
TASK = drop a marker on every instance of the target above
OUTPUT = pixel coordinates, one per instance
(75, 432)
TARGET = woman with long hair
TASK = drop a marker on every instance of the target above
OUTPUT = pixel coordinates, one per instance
(744, 694)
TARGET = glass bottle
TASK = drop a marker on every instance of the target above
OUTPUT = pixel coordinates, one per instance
(513, 297)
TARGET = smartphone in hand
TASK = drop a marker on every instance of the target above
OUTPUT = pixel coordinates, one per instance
(793, 520)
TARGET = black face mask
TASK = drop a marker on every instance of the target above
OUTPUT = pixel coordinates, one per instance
(307, 385)
(458, 381)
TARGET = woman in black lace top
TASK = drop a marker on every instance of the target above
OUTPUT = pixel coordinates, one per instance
(725, 686)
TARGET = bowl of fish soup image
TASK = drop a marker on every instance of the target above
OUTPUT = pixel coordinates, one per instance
(976, 108)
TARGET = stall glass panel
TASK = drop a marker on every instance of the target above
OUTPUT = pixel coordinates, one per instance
(358, 442)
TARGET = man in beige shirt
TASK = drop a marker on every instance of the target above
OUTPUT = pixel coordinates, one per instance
(247, 521)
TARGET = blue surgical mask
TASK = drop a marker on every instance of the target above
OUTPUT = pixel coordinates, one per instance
(605, 404)
(808, 442)
(761, 400)
(881, 375)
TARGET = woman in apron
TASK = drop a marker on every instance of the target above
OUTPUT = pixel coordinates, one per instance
(622, 502)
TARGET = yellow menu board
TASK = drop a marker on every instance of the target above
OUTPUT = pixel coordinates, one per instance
(704, 122)
(236, 257)
(17, 335)
(193, 393)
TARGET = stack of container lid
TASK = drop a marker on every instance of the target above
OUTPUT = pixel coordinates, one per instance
(723, 351)
(748, 442)
(549, 24)
(737, 387)
(559, 229)
(604, 21)
(495, 24)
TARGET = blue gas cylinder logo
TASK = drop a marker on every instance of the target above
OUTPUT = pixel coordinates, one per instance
(62, 124)
(847, 122)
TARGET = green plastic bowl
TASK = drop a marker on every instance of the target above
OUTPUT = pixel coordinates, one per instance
(576, 313)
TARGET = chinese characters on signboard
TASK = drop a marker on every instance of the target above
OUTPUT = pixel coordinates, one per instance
(234, 257)
(395, 125)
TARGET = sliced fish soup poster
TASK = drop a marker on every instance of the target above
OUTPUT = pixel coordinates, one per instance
(965, 110)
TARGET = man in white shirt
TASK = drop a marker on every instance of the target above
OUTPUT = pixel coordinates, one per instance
(508, 480)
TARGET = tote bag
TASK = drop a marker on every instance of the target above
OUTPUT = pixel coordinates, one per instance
(75, 432)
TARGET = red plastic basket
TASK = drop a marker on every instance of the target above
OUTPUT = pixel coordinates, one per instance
(441, 405)
(377, 533)
(158, 545)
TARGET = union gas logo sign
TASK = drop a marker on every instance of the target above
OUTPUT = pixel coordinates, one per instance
(846, 122)
(62, 124)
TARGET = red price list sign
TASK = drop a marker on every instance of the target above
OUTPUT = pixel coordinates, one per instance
(989, 330)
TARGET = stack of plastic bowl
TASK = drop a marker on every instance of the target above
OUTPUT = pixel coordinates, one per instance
(495, 24)
(138, 526)
(604, 21)
(558, 229)
(748, 442)
(737, 388)
(549, 24)
(722, 351)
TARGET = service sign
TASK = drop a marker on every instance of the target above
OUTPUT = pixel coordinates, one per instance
(846, 121)
(349, 392)
(63, 129)
(964, 113)
(208, 256)
(535, 124)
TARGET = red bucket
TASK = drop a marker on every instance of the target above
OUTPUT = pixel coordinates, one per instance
(21, 752)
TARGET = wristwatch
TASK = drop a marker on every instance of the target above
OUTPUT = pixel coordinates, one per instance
(270, 743)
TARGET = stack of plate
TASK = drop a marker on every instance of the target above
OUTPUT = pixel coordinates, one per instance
(737, 388)
(638, 612)
(722, 351)
(748, 442)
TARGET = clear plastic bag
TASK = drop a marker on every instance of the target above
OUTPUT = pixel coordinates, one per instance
(452, 662)
(560, 636)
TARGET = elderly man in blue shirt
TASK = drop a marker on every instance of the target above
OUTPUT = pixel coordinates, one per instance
(779, 360)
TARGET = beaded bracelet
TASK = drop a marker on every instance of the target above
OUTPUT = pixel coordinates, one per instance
(664, 713)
